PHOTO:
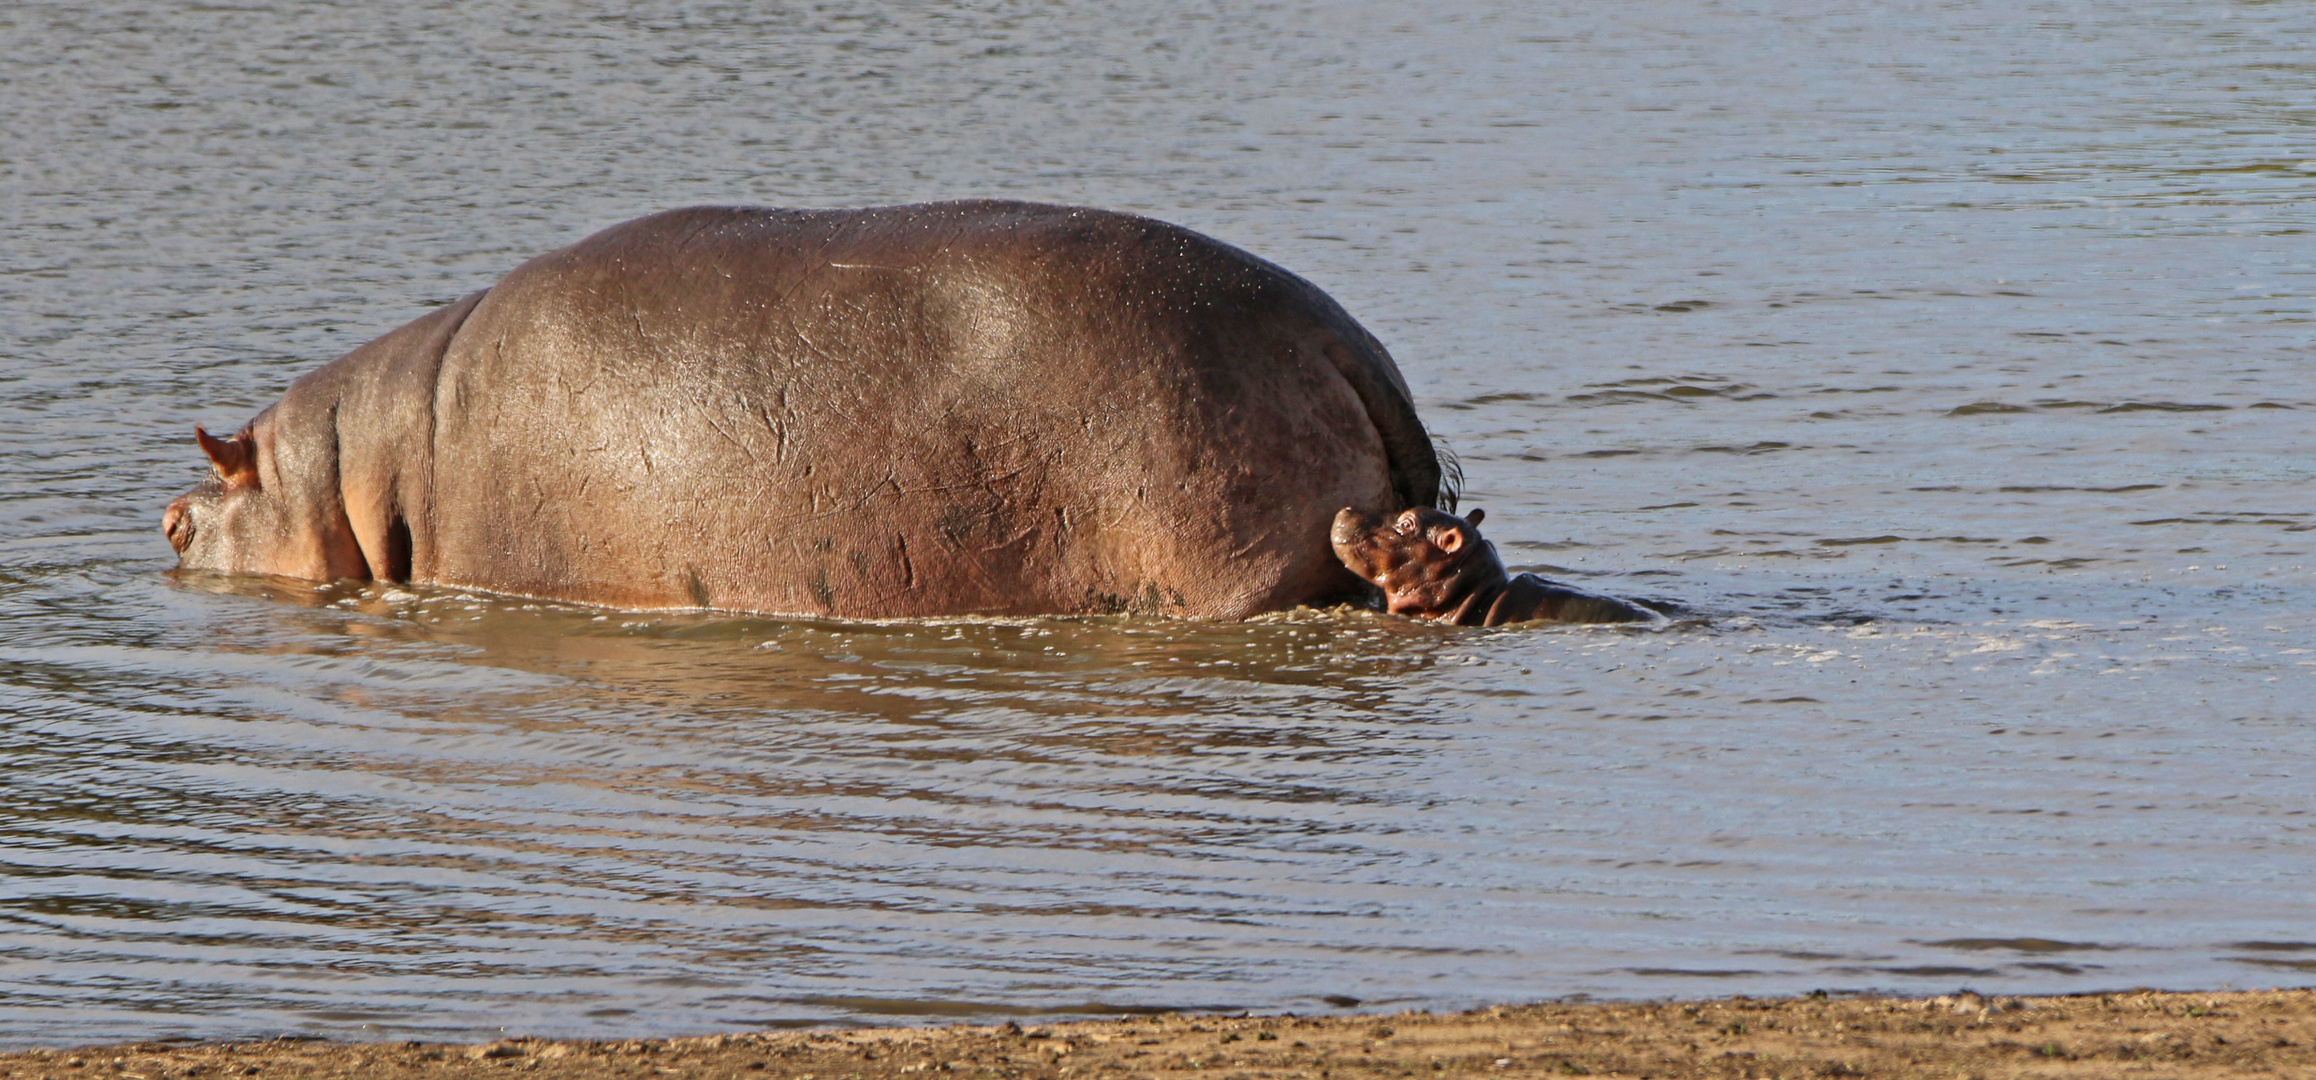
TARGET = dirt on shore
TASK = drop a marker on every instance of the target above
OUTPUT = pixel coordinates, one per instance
(2246, 1034)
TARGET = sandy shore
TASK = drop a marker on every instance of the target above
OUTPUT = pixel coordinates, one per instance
(2266, 1034)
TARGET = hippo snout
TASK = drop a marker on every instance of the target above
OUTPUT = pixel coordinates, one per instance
(1352, 525)
(177, 525)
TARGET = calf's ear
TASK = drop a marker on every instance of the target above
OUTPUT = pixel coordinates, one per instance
(1474, 518)
(235, 459)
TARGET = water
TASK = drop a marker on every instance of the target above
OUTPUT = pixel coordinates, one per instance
(1951, 362)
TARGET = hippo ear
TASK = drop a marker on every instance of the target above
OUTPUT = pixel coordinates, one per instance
(235, 459)
(1474, 518)
(1449, 540)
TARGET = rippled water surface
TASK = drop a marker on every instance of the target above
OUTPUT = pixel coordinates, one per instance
(1951, 362)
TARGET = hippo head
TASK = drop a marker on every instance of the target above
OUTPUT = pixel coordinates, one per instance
(1426, 561)
(260, 511)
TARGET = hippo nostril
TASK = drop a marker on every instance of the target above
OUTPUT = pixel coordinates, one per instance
(178, 526)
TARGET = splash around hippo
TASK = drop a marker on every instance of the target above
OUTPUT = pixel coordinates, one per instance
(1433, 565)
(955, 408)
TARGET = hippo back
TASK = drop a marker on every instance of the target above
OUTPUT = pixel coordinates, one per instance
(957, 408)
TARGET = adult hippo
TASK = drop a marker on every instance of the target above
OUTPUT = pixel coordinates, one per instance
(956, 408)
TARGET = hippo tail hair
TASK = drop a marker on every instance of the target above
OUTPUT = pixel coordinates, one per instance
(1451, 474)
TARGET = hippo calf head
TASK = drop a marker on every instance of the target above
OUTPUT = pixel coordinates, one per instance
(1426, 561)
(1433, 565)
(262, 510)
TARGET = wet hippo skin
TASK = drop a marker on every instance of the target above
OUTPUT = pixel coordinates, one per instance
(970, 407)
(1431, 564)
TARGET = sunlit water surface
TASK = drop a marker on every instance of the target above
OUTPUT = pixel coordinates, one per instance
(1950, 363)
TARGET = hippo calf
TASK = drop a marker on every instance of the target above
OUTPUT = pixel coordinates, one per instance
(956, 408)
(1433, 565)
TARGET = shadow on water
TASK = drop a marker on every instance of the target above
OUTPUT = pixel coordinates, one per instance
(1313, 664)
(926, 719)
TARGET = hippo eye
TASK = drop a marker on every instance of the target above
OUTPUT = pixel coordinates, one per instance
(1406, 522)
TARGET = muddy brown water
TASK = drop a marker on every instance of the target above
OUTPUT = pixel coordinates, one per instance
(1950, 362)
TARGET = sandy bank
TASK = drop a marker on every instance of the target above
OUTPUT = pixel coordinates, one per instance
(2113, 1035)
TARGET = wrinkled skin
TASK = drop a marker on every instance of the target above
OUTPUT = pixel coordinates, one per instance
(956, 408)
(1433, 565)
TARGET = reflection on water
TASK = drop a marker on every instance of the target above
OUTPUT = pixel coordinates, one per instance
(1948, 368)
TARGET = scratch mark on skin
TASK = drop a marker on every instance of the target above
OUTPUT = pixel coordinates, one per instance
(1244, 600)
(890, 480)
(814, 346)
(987, 483)
(1241, 551)
(694, 232)
(718, 428)
(1022, 537)
(778, 429)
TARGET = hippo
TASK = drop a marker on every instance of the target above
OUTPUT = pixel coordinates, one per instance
(961, 408)
(1432, 564)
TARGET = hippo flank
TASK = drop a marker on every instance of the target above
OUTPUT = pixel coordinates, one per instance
(956, 408)
(1433, 565)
